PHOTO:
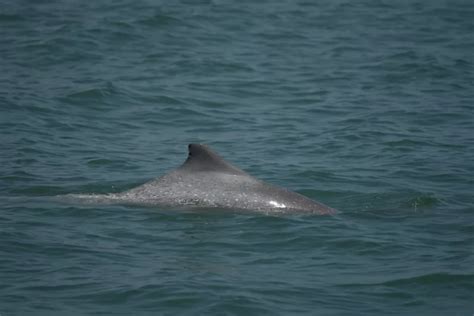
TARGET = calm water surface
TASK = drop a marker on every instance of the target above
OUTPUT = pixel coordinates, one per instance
(365, 106)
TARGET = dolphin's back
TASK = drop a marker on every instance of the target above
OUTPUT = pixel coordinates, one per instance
(207, 180)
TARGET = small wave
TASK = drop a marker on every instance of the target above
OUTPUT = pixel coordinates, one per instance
(39, 190)
(99, 162)
(10, 18)
(161, 20)
(431, 279)
(406, 143)
(434, 279)
(93, 93)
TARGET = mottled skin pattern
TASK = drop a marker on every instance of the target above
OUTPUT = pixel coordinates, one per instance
(207, 180)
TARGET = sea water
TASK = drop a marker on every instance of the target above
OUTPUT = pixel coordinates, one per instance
(366, 106)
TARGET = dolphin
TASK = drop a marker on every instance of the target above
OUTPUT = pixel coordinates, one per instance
(206, 180)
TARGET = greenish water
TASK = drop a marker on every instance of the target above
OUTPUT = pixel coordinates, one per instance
(365, 106)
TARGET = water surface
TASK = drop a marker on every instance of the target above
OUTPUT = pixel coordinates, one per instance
(366, 107)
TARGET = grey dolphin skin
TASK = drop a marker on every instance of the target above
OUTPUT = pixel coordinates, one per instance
(207, 180)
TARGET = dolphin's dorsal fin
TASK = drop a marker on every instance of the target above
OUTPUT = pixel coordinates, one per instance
(202, 158)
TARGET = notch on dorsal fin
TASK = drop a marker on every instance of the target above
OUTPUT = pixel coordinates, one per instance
(202, 158)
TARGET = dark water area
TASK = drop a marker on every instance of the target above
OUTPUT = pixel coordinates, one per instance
(365, 106)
